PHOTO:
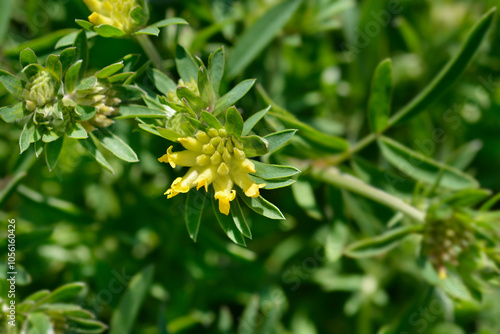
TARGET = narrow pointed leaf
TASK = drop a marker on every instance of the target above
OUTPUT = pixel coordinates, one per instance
(260, 34)
(124, 316)
(379, 106)
(270, 172)
(162, 82)
(211, 120)
(216, 69)
(91, 147)
(234, 95)
(239, 218)
(227, 224)
(261, 206)
(449, 74)
(423, 168)
(254, 146)
(116, 145)
(186, 65)
(234, 122)
(195, 203)
(109, 70)
(279, 139)
(13, 113)
(253, 120)
(52, 151)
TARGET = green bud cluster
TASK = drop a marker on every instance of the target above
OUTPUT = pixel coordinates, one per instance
(41, 91)
(103, 98)
(445, 239)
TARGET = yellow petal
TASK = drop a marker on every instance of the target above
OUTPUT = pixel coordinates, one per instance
(206, 177)
(191, 144)
(93, 5)
(183, 158)
(224, 193)
(98, 19)
(187, 182)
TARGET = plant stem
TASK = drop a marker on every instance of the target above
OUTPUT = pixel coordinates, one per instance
(335, 178)
(150, 51)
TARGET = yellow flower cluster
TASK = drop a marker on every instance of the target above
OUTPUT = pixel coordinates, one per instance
(217, 158)
(112, 12)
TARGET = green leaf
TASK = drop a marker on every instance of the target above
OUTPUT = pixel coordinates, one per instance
(32, 70)
(273, 184)
(169, 134)
(233, 96)
(204, 86)
(69, 39)
(161, 81)
(270, 172)
(50, 136)
(216, 68)
(128, 92)
(191, 99)
(254, 146)
(54, 66)
(27, 57)
(90, 146)
(239, 218)
(466, 198)
(26, 134)
(13, 113)
(234, 122)
(84, 113)
(211, 120)
(124, 316)
(63, 293)
(52, 151)
(279, 139)
(85, 325)
(170, 21)
(120, 77)
(109, 70)
(39, 323)
(77, 131)
(150, 129)
(116, 145)
(87, 83)
(449, 74)
(139, 15)
(66, 58)
(422, 168)
(153, 31)
(133, 111)
(71, 77)
(195, 203)
(261, 206)
(252, 120)
(380, 244)
(106, 30)
(186, 66)
(379, 106)
(259, 35)
(82, 53)
(12, 84)
(85, 24)
(227, 224)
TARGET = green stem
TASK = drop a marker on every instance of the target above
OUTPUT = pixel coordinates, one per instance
(150, 51)
(335, 178)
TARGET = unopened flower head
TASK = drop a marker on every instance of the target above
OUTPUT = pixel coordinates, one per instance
(103, 98)
(192, 85)
(115, 13)
(217, 158)
(42, 90)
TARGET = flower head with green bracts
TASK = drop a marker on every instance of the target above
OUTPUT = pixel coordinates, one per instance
(212, 140)
(60, 100)
(122, 18)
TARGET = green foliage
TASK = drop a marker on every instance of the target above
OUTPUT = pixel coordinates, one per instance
(381, 116)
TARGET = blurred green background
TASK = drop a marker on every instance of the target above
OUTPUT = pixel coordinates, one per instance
(81, 223)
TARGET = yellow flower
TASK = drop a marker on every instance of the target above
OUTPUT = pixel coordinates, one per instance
(214, 157)
(113, 12)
